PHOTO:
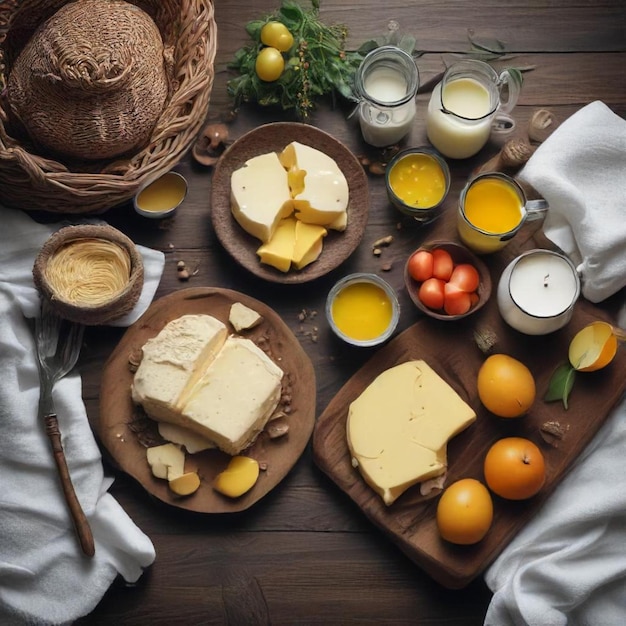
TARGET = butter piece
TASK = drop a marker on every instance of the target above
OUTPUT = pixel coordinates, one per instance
(308, 244)
(173, 361)
(278, 251)
(238, 478)
(398, 428)
(191, 441)
(319, 187)
(166, 461)
(186, 484)
(242, 317)
(260, 195)
(236, 396)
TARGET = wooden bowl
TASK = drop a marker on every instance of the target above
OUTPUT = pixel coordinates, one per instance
(105, 310)
(459, 254)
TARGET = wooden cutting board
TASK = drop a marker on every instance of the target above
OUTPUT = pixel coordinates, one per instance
(449, 348)
(125, 431)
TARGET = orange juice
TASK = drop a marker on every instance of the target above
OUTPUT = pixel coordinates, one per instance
(362, 311)
(493, 206)
(418, 180)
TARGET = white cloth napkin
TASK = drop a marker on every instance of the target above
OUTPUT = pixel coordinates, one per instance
(44, 579)
(581, 171)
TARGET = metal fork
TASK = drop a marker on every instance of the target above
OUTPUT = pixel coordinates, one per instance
(58, 346)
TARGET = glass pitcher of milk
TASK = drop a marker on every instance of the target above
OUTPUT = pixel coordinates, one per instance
(386, 82)
(465, 105)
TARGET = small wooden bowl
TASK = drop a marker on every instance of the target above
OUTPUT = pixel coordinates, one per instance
(119, 304)
(460, 254)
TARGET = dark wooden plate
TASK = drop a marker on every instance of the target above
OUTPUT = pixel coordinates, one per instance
(338, 246)
(449, 348)
(124, 430)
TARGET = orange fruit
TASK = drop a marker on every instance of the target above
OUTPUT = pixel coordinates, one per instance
(506, 386)
(514, 468)
(464, 512)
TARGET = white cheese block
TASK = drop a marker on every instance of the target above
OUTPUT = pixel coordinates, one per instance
(173, 360)
(319, 187)
(236, 396)
(260, 195)
(166, 461)
(398, 428)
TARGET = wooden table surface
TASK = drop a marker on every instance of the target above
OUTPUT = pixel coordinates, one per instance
(305, 553)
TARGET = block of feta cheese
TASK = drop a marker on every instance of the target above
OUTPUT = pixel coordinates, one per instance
(399, 427)
(173, 360)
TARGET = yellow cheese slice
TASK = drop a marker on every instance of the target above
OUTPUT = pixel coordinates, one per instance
(319, 187)
(260, 195)
(398, 428)
(278, 251)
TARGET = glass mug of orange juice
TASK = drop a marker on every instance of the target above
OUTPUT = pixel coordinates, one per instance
(463, 107)
(492, 209)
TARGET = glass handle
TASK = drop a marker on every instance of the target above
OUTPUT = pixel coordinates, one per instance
(511, 82)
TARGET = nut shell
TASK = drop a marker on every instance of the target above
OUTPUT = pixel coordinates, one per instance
(118, 305)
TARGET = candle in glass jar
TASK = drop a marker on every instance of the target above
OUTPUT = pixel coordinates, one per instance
(537, 292)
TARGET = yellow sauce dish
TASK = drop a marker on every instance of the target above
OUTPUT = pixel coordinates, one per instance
(362, 309)
(161, 197)
(417, 181)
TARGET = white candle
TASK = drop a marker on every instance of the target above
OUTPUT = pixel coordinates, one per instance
(537, 292)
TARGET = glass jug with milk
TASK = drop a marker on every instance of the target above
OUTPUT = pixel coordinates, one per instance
(464, 107)
(386, 82)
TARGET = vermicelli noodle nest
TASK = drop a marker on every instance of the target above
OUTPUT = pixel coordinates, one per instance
(90, 274)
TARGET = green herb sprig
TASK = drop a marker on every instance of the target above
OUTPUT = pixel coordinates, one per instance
(317, 64)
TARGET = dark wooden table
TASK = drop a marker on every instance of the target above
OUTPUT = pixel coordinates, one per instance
(305, 553)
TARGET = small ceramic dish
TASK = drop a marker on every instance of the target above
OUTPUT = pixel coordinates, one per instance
(161, 197)
(460, 255)
(417, 182)
(362, 309)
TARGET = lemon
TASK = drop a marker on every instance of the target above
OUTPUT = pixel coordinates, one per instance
(593, 347)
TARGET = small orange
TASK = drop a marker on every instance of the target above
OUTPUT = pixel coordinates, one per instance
(464, 512)
(505, 386)
(514, 468)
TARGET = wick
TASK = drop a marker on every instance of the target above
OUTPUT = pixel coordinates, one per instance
(545, 280)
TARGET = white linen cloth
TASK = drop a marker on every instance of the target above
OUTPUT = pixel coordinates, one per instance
(581, 171)
(44, 579)
(568, 565)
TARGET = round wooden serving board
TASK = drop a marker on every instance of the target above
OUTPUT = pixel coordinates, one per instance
(125, 431)
(338, 246)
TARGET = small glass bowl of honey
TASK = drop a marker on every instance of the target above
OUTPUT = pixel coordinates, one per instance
(362, 309)
(417, 182)
(161, 197)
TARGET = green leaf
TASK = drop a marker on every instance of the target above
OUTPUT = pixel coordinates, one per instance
(254, 27)
(561, 384)
(407, 43)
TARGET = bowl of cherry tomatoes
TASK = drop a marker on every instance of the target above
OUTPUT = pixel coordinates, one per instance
(447, 281)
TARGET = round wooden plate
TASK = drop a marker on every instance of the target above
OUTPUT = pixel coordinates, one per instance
(125, 431)
(338, 246)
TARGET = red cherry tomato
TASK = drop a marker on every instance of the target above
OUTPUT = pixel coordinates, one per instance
(466, 277)
(442, 264)
(420, 265)
(431, 293)
(455, 300)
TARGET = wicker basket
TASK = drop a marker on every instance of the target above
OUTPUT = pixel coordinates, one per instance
(32, 178)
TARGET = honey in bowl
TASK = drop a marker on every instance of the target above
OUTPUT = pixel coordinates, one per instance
(162, 196)
(362, 309)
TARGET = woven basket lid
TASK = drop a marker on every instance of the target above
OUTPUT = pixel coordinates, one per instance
(91, 82)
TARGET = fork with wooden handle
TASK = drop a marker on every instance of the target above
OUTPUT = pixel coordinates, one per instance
(58, 346)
